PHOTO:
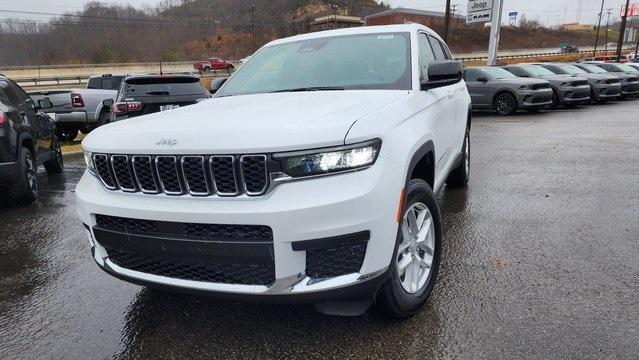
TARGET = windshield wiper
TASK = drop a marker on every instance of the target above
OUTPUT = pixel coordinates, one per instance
(158, 93)
(311, 88)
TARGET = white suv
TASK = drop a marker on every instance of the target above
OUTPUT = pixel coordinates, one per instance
(309, 177)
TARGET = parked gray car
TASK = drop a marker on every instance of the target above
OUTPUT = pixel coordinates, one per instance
(498, 89)
(603, 87)
(629, 79)
(567, 90)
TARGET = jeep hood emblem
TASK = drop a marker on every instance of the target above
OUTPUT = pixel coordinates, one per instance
(166, 142)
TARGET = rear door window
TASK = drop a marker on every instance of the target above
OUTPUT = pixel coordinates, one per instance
(158, 86)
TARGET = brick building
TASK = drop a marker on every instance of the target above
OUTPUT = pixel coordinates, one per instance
(432, 19)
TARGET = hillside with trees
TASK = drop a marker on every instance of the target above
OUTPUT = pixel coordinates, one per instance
(178, 30)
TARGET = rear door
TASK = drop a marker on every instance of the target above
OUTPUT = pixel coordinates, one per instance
(437, 110)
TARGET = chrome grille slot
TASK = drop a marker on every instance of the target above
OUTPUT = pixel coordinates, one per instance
(224, 175)
(195, 175)
(103, 168)
(144, 172)
(254, 174)
(169, 175)
(122, 173)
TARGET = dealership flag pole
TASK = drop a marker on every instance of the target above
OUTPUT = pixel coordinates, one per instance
(495, 27)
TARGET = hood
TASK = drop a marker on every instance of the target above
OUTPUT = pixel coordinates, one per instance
(522, 81)
(594, 76)
(561, 77)
(244, 124)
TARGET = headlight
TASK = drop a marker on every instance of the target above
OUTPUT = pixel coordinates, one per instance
(88, 159)
(600, 81)
(329, 160)
(565, 84)
(525, 87)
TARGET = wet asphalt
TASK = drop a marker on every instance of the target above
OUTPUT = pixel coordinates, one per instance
(540, 261)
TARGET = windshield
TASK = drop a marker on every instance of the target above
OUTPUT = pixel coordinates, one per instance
(368, 61)
(626, 68)
(536, 70)
(162, 86)
(497, 73)
(594, 69)
(571, 69)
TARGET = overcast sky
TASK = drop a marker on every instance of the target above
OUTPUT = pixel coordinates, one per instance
(550, 12)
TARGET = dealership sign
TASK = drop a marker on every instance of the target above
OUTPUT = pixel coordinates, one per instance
(633, 10)
(479, 11)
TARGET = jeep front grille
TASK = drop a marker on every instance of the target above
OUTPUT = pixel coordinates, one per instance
(195, 175)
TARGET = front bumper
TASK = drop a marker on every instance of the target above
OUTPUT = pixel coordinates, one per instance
(629, 89)
(297, 212)
(8, 170)
(606, 91)
(574, 94)
(534, 98)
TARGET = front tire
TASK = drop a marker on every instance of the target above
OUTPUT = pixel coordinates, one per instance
(56, 164)
(25, 187)
(505, 104)
(416, 257)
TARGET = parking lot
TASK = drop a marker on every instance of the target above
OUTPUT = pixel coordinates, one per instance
(541, 260)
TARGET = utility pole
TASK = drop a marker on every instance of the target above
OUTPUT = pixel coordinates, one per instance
(579, 12)
(453, 10)
(609, 10)
(495, 28)
(565, 12)
(252, 9)
(594, 54)
(622, 31)
(446, 20)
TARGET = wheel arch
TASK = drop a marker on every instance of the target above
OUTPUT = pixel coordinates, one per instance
(503, 91)
(26, 140)
(422, 164)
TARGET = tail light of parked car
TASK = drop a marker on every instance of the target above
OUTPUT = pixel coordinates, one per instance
(77, 100)
(124, 107)
(3, 118)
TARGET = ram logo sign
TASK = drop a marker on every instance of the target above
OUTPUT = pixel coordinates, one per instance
(479, 11)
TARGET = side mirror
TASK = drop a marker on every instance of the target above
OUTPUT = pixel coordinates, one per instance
(443, 73)
(108, 102)
(482, 79)
(523, 75)
(217, 83)
(45, 104)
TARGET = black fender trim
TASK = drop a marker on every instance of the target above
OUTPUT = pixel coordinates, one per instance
(427, 147)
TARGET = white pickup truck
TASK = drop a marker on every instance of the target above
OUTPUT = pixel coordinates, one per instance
(309, 177)
(81, 109)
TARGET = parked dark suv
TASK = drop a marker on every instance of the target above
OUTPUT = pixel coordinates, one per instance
(147, 94)
(27, 140)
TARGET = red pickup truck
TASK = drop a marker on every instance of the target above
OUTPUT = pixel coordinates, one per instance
(213, 64)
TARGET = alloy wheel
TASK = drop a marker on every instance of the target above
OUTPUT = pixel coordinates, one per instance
(31, 173)
(416, 251)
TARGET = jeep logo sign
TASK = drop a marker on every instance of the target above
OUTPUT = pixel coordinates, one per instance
(166, 142)
(479, 11)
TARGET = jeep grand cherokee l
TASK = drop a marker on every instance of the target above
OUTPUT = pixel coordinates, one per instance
(309, 177)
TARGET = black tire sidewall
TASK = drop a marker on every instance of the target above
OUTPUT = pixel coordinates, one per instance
(513, 101)
(24, 193)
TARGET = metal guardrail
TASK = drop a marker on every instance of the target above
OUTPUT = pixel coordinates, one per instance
(83, 79)
(534, 55)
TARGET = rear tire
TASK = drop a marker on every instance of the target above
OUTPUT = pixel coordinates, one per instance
(207, 69)
(25, 187)
(460, 176)
(56, 164)
(505, 104)
(400, 297)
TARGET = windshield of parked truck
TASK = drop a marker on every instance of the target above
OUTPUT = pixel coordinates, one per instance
(594, 69)
(570, 69)
(536, 70)
(363, 61)
(498, 73)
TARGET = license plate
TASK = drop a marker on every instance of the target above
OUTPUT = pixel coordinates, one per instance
(168, 107)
